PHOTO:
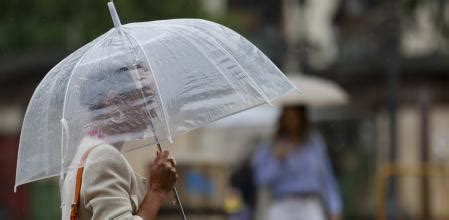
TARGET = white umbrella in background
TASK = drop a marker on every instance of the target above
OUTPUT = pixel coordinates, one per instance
(314, 92)
(231, 133)
(262, 116)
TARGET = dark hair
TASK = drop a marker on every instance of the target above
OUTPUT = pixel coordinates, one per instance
(96, 85)
(301, 111)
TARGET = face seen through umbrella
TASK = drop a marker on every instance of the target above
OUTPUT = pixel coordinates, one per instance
(125, 109)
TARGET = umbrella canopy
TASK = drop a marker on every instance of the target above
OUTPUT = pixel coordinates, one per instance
(150, 80)
(314, 92)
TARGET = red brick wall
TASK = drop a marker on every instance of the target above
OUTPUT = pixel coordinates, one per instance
(15, 204)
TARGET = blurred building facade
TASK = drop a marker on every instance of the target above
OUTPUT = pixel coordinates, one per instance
(391, 57)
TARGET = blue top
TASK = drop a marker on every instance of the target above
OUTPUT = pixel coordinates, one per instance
(307, 169)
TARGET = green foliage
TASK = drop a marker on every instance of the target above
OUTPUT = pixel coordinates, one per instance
(26, 24)
(408, 6)
(44, 200)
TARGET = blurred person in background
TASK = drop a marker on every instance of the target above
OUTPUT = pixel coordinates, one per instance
(296, 169)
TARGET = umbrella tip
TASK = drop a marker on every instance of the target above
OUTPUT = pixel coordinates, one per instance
(114, 14)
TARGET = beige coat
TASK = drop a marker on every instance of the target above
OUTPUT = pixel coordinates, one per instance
(110, 188)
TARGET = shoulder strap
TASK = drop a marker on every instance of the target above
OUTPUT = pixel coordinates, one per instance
(74, 208)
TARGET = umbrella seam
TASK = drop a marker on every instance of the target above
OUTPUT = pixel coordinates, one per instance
(262, 54)
(67, 90)
(257, 88)
(157, 87)
(49, 74)
(205, 21)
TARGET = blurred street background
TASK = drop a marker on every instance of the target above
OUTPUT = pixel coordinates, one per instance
(389, 145)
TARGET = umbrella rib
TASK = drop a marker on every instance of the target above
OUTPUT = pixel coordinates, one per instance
(76, 66)
(157, 88)
(67, 91)
(204, 55)
(178, 201)
(255, 85)
(220, 44)
(51, 72)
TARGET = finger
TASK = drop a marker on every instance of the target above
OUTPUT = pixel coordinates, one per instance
(172, 161)
(168, 165)
(175, 176)
(158, 156)
(165, 154)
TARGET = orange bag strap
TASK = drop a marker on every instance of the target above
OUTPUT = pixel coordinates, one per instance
(74, 208)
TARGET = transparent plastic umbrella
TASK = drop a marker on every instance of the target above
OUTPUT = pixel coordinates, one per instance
(151, 80)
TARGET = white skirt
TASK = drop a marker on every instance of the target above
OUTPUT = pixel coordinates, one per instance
(296, 209)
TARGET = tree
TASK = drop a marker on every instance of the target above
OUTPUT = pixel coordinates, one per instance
(27, 24)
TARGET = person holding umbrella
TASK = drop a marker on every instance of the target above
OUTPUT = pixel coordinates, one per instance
(295, 166)
(147, 81)
(105, 186)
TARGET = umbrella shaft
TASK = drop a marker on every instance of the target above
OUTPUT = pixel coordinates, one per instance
(178, 200)
(159, 146)
(178, 203)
